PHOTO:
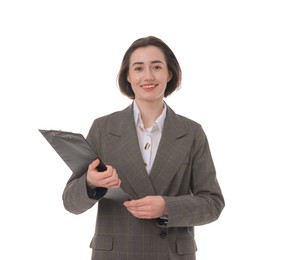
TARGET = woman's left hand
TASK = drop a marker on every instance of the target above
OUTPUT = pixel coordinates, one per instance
(148, 207)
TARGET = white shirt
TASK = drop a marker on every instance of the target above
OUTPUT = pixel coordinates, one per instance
(149, 138)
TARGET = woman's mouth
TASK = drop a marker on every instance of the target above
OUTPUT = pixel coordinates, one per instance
(149, 86)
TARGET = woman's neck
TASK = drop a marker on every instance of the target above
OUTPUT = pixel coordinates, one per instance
(150, 111)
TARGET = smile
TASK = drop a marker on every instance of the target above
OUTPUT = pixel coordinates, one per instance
(148, 86)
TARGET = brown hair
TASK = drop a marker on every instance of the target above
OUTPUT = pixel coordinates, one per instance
(172, 63)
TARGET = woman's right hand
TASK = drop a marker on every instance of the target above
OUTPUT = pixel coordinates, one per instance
(106, 179)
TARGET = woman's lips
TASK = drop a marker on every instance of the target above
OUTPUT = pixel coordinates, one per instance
(149, 86)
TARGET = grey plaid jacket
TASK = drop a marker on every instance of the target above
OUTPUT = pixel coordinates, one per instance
(183, 173)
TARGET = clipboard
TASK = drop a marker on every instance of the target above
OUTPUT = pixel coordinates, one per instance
(77, 153)
(74, 150)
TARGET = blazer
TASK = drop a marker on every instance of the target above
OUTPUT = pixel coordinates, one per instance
(183, 173)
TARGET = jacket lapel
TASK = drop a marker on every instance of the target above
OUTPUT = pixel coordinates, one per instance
(171, 154)
(127, 158)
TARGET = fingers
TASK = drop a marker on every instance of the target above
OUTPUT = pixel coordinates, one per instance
(94, 164)
(107, 179)
(147, 208)
(139, 208)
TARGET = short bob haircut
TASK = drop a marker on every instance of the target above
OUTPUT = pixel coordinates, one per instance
(172, 63)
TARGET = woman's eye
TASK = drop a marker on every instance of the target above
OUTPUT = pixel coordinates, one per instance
(157, 67)
(138, 68)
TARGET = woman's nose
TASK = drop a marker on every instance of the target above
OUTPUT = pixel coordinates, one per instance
(149, 74)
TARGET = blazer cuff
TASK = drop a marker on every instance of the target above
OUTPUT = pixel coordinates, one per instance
(96, 193)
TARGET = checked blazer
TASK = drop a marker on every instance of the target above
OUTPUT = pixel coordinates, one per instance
(183, 173)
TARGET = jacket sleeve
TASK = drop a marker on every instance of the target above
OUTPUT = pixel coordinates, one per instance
(76, 197)
(205, 201)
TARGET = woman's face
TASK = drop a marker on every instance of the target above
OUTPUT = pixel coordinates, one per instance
(148, 74)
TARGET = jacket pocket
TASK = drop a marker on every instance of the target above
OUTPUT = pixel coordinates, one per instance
(102, 242)
(186, 246)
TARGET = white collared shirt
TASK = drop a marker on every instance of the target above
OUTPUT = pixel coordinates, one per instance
(149, 138)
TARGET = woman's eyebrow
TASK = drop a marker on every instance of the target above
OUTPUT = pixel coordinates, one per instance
(152, 62)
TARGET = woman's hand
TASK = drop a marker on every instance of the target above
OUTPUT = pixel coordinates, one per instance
(147, 208)
(106, 179)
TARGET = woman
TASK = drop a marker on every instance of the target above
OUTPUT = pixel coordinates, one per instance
(160, 180)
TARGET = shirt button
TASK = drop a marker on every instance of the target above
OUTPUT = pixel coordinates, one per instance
(163, 235)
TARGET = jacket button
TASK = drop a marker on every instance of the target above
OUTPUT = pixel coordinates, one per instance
(163, 235)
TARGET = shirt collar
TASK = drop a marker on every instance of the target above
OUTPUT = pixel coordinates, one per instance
(159, 122)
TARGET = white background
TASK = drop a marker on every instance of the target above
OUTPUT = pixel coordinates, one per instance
(58, 66)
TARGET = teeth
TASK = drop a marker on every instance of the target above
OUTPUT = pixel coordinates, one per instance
(152, 86)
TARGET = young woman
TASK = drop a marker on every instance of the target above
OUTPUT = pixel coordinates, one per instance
(160, 180)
